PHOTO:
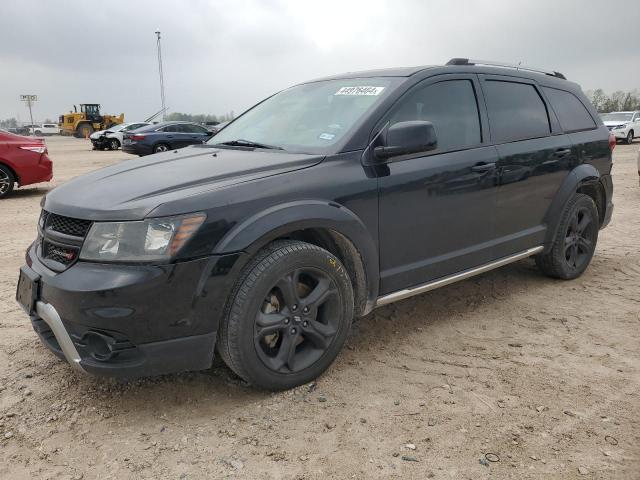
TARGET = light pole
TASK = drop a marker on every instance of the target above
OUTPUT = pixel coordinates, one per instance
(160, 72)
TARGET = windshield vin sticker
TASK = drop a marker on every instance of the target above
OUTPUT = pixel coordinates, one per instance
(359, 91)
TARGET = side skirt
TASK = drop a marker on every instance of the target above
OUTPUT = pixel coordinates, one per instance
(456, 277)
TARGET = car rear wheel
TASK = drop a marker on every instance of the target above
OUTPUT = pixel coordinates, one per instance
(114, 144)
(7, 181)
(630, 137)
(575, 240)
(288, 316)
(161, 147)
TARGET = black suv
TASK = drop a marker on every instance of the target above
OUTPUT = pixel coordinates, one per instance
(324, 201)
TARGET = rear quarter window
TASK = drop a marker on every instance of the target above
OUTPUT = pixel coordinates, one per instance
(572, 114)
(516, 111)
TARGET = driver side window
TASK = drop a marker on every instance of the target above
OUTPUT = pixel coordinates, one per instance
(451, 107)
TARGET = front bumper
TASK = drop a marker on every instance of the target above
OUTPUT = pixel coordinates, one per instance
(132, 320)
(620, 134)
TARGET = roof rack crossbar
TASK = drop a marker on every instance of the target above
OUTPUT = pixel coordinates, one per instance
(466, 61)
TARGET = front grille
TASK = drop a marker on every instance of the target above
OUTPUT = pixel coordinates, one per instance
(59, 254)
(61, 239)
(67, 225)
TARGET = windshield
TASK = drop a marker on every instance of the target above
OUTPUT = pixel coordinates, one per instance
(307, 118)
(616, 117)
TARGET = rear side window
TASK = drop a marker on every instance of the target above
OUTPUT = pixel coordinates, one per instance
(516, 111)
(452, 108)
(572, 114)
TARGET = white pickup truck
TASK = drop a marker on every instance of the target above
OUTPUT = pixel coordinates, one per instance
(44, 129)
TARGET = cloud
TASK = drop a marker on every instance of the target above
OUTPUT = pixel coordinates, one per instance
(225, 55)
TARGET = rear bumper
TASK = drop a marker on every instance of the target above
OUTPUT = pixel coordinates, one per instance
(137, 149)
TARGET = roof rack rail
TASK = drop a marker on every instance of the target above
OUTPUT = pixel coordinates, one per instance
(466, 61)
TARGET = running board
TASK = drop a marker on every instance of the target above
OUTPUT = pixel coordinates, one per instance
(456, 277)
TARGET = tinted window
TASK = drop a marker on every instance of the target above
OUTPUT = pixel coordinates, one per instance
(172, 128)
(194, 128)
(452, 108)
(516, 111)
(571, 113)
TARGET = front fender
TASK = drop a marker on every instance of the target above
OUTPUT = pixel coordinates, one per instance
(581, 175)
(276, 221)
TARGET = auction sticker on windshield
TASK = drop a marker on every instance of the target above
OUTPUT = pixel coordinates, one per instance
(360, 91)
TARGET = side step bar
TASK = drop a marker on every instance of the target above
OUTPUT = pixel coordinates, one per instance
(456, 277)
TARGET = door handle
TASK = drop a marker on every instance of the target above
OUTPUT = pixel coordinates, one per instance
(169, 136)
(562, 152)
(483, 167)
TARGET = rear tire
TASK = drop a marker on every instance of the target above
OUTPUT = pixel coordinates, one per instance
(575, 240)
(84, 130)
(7, 181)
(161, 147)
(288, 316)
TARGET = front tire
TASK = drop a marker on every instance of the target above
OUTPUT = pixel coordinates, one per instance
(575, 240)
(630, 137)
(84, 130)
(7, 181)
(288, 316)
(114, 144)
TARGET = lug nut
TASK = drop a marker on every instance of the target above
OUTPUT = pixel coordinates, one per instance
(286, 321)
(305, 309)
(293, 331)
(305, 324)
(294, 307)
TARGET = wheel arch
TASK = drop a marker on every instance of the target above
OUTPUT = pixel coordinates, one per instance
(585, 179)
(325, 224)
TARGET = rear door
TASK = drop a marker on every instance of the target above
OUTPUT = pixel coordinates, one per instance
(436, 209)
(535, 157)
(196, 133)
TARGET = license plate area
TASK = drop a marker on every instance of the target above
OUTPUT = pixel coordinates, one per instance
(27, 290)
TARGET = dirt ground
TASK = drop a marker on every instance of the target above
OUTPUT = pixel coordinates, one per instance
(543, 374)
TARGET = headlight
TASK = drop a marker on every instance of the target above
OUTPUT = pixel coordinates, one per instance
(620, 127)
(150, 240)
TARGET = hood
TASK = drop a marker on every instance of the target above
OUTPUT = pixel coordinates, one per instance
(615, 123)
(97, 134)
(132, 189)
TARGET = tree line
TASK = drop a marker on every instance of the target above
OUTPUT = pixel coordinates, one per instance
(616, 102)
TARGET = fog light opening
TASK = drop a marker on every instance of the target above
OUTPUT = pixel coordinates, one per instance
(99, 346)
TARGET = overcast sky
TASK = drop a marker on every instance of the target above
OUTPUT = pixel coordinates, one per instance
(228, 54)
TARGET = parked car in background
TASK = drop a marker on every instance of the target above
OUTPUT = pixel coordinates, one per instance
(112, 137)
(100, 141)
(23, 161)
(624, 125)
(164, 136)
(321, 203)
(45, 129)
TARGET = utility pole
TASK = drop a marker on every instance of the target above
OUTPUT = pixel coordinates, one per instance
(161, 73)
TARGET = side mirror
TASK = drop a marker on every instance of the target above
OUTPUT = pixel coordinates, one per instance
(404, 138)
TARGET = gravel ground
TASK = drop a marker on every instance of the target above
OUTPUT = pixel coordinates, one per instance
(543, 374)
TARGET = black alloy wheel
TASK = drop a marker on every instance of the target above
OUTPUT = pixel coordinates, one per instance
(574, 242)
(288, 316)
(7, 181)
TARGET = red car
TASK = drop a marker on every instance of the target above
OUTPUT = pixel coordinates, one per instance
(23, 160)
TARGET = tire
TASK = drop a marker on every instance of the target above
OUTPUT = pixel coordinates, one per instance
(276, 337)
(84, 130)
(38, 132)
(114, 144)
(575, 240)
(7, 181)
(161, 147)
(630, 137)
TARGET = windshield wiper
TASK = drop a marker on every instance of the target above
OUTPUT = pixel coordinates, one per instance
(248, 143)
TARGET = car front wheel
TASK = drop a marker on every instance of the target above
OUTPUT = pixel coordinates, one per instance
(630, 137)
(114, 144)
(288, 316)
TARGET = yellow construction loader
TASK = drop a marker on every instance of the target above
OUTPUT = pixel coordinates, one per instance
(83, 123)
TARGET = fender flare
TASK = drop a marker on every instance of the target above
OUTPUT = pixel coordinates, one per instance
(265, 226)
(581, 175)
